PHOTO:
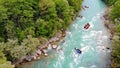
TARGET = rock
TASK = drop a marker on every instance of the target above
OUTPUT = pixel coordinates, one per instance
(58, 48)
(54, 46)
(107, 48)
(50, 40)
(63, 35)
(57, 39)
(63, 41)
(34, 57)
(60, 35)
(38, 52)
(45, 51)
(46, 54)
(35, 54)
(28, 58)
(38, 57)
(49, 47)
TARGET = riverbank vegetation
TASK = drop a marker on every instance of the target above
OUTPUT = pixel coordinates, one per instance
(114, 18)
(26, 24)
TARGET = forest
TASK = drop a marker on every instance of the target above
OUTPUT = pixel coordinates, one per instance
(114, 17)
(26, 24)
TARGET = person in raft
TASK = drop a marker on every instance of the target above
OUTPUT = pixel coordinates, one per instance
(87, 26)
(78, 51)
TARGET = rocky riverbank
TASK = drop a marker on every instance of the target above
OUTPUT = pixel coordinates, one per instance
(111, 27)
(108, 24)
(42, 50)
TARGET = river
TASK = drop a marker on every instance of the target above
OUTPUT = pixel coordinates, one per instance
(92, 42)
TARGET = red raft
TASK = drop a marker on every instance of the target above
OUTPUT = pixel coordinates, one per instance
(87, 26)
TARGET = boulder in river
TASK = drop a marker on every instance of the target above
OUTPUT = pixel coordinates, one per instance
(54, 46)
(58, 48)
(49, 47)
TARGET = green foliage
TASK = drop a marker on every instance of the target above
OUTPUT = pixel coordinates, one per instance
(14, 15)
(117, 28)
(110, 2)
(47, 9)
(19, 51)
(76, 4)
(116, 51)
(40, 29)
(25, 19)
(3, 62)
(30, 44)
(115, 12)
(7, 64)
(35, 17)
(63, 11)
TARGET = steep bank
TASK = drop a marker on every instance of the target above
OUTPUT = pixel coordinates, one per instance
(113, 18)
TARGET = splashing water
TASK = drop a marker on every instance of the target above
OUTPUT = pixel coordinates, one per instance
(92, 42)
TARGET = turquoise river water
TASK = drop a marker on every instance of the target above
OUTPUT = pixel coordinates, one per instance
(92, 42)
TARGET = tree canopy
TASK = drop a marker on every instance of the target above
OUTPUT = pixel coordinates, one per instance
(25, 24)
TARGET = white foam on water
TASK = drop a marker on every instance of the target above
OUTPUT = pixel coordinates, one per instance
(99, 42)
(81, 67)
(99, 15)
(75, 25)
(105, 38)
(100, 49)
(68, 33)
(61, 56)
(71, 65)
(76, 61)
(93, 66)
(86, 36)
(82, 44)
(94, 19)
(92, 49)
(85, 49)
(109, 51)
(83, 18)
(91, 24)
(91, 34)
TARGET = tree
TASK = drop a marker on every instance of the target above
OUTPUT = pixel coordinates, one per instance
(3, 17)
(3, 61)
(63, 12)
(31, 44)
(76, 4)
(7, 64)
(17, 15)
(114, 14)
(110, 2)
(47, 9)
